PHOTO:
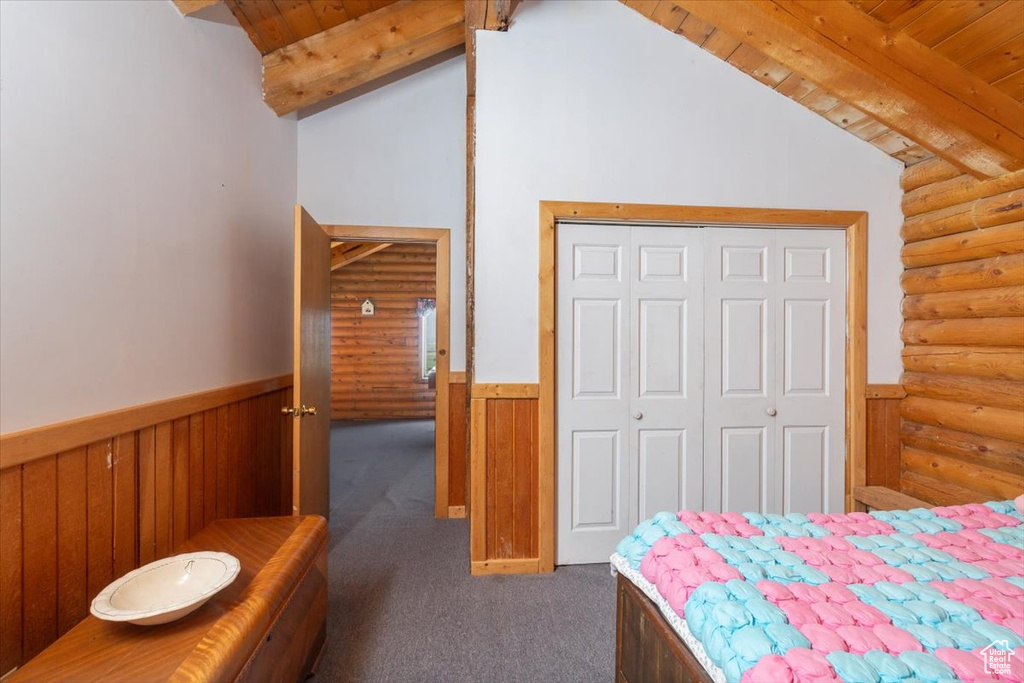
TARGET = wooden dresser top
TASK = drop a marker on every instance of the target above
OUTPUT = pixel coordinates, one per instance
(214, 642)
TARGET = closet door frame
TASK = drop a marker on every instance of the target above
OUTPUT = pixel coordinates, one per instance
(854, 223)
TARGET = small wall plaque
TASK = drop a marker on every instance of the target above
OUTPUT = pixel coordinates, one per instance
(368, 307)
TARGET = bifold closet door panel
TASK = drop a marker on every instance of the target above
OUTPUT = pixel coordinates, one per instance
(810, 369)
(666, 369)
(775, 310)
(739, 345)
(593, 467)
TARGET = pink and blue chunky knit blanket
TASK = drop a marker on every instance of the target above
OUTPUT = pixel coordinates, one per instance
(917, 595)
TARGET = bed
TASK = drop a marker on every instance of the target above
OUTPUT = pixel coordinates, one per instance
(923, 594)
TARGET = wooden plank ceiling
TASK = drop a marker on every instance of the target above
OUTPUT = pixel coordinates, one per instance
(950, 72)
(316, 49)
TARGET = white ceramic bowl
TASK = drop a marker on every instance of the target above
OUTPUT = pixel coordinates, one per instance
(167, 589)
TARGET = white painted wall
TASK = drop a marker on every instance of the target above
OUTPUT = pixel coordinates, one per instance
(146, 213)
(396, 156)
(590, 101)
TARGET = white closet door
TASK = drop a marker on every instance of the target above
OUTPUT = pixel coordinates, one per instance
(697, 368)
(739, 345)
(775, 305)
(593, 420)
(810, 369)
(666, 370)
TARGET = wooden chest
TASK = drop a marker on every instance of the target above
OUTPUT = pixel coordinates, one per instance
(269, 625)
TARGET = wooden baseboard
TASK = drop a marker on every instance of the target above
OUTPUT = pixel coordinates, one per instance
(18, 448)
(517, 566)
(456, 512)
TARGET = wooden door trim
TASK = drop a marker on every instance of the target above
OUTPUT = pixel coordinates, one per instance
(855, 223)
(441, 239)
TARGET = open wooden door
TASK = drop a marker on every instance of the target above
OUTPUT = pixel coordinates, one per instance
(311, 413)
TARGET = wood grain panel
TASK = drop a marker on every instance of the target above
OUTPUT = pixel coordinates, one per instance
(196, 485)
(457, 457)
(998, 423)
(500, 469)
(210, 466)
(126, 510)
(375, 360)
(147, 495)
(72, 521)
(11, 569)
(965, 331)
(39, 498)
(995, 362)
(962, 437)
(882, 461)
(997, 302)
(180, 488)
(164, 483)
(354, 53)
(1001, 271)
(999, 393)
(1000, 209)
(997, 453)
(72, 605)
(993, 483)
(1001, 240)
(100, 516)
(21, 447)
(505, 515)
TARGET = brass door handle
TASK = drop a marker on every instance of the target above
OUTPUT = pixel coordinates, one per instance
(301, 411)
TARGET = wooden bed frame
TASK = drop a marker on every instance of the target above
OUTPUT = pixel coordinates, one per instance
(647, 650)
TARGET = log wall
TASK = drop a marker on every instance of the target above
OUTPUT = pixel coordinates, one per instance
(375, 360)
(962, 436)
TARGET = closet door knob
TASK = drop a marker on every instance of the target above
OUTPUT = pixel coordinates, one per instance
(771, 412)
(638, 415)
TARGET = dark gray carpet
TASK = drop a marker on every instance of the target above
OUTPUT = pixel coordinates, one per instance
(403, 606)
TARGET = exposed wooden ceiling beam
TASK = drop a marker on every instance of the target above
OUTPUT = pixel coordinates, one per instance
(342, 256)
(359, 51)
(490, 15)
(187, 7)
(913, 90)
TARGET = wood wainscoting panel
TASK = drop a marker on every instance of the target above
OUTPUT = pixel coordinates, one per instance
(504, 515)
(458, 464)
(882, 458)
(73, 520)
(962, 432)
(375, 360)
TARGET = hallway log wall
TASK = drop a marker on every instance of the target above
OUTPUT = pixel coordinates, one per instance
(375, 360)
(86, 501)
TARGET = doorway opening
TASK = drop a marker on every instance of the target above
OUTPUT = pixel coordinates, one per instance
(390, 308)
